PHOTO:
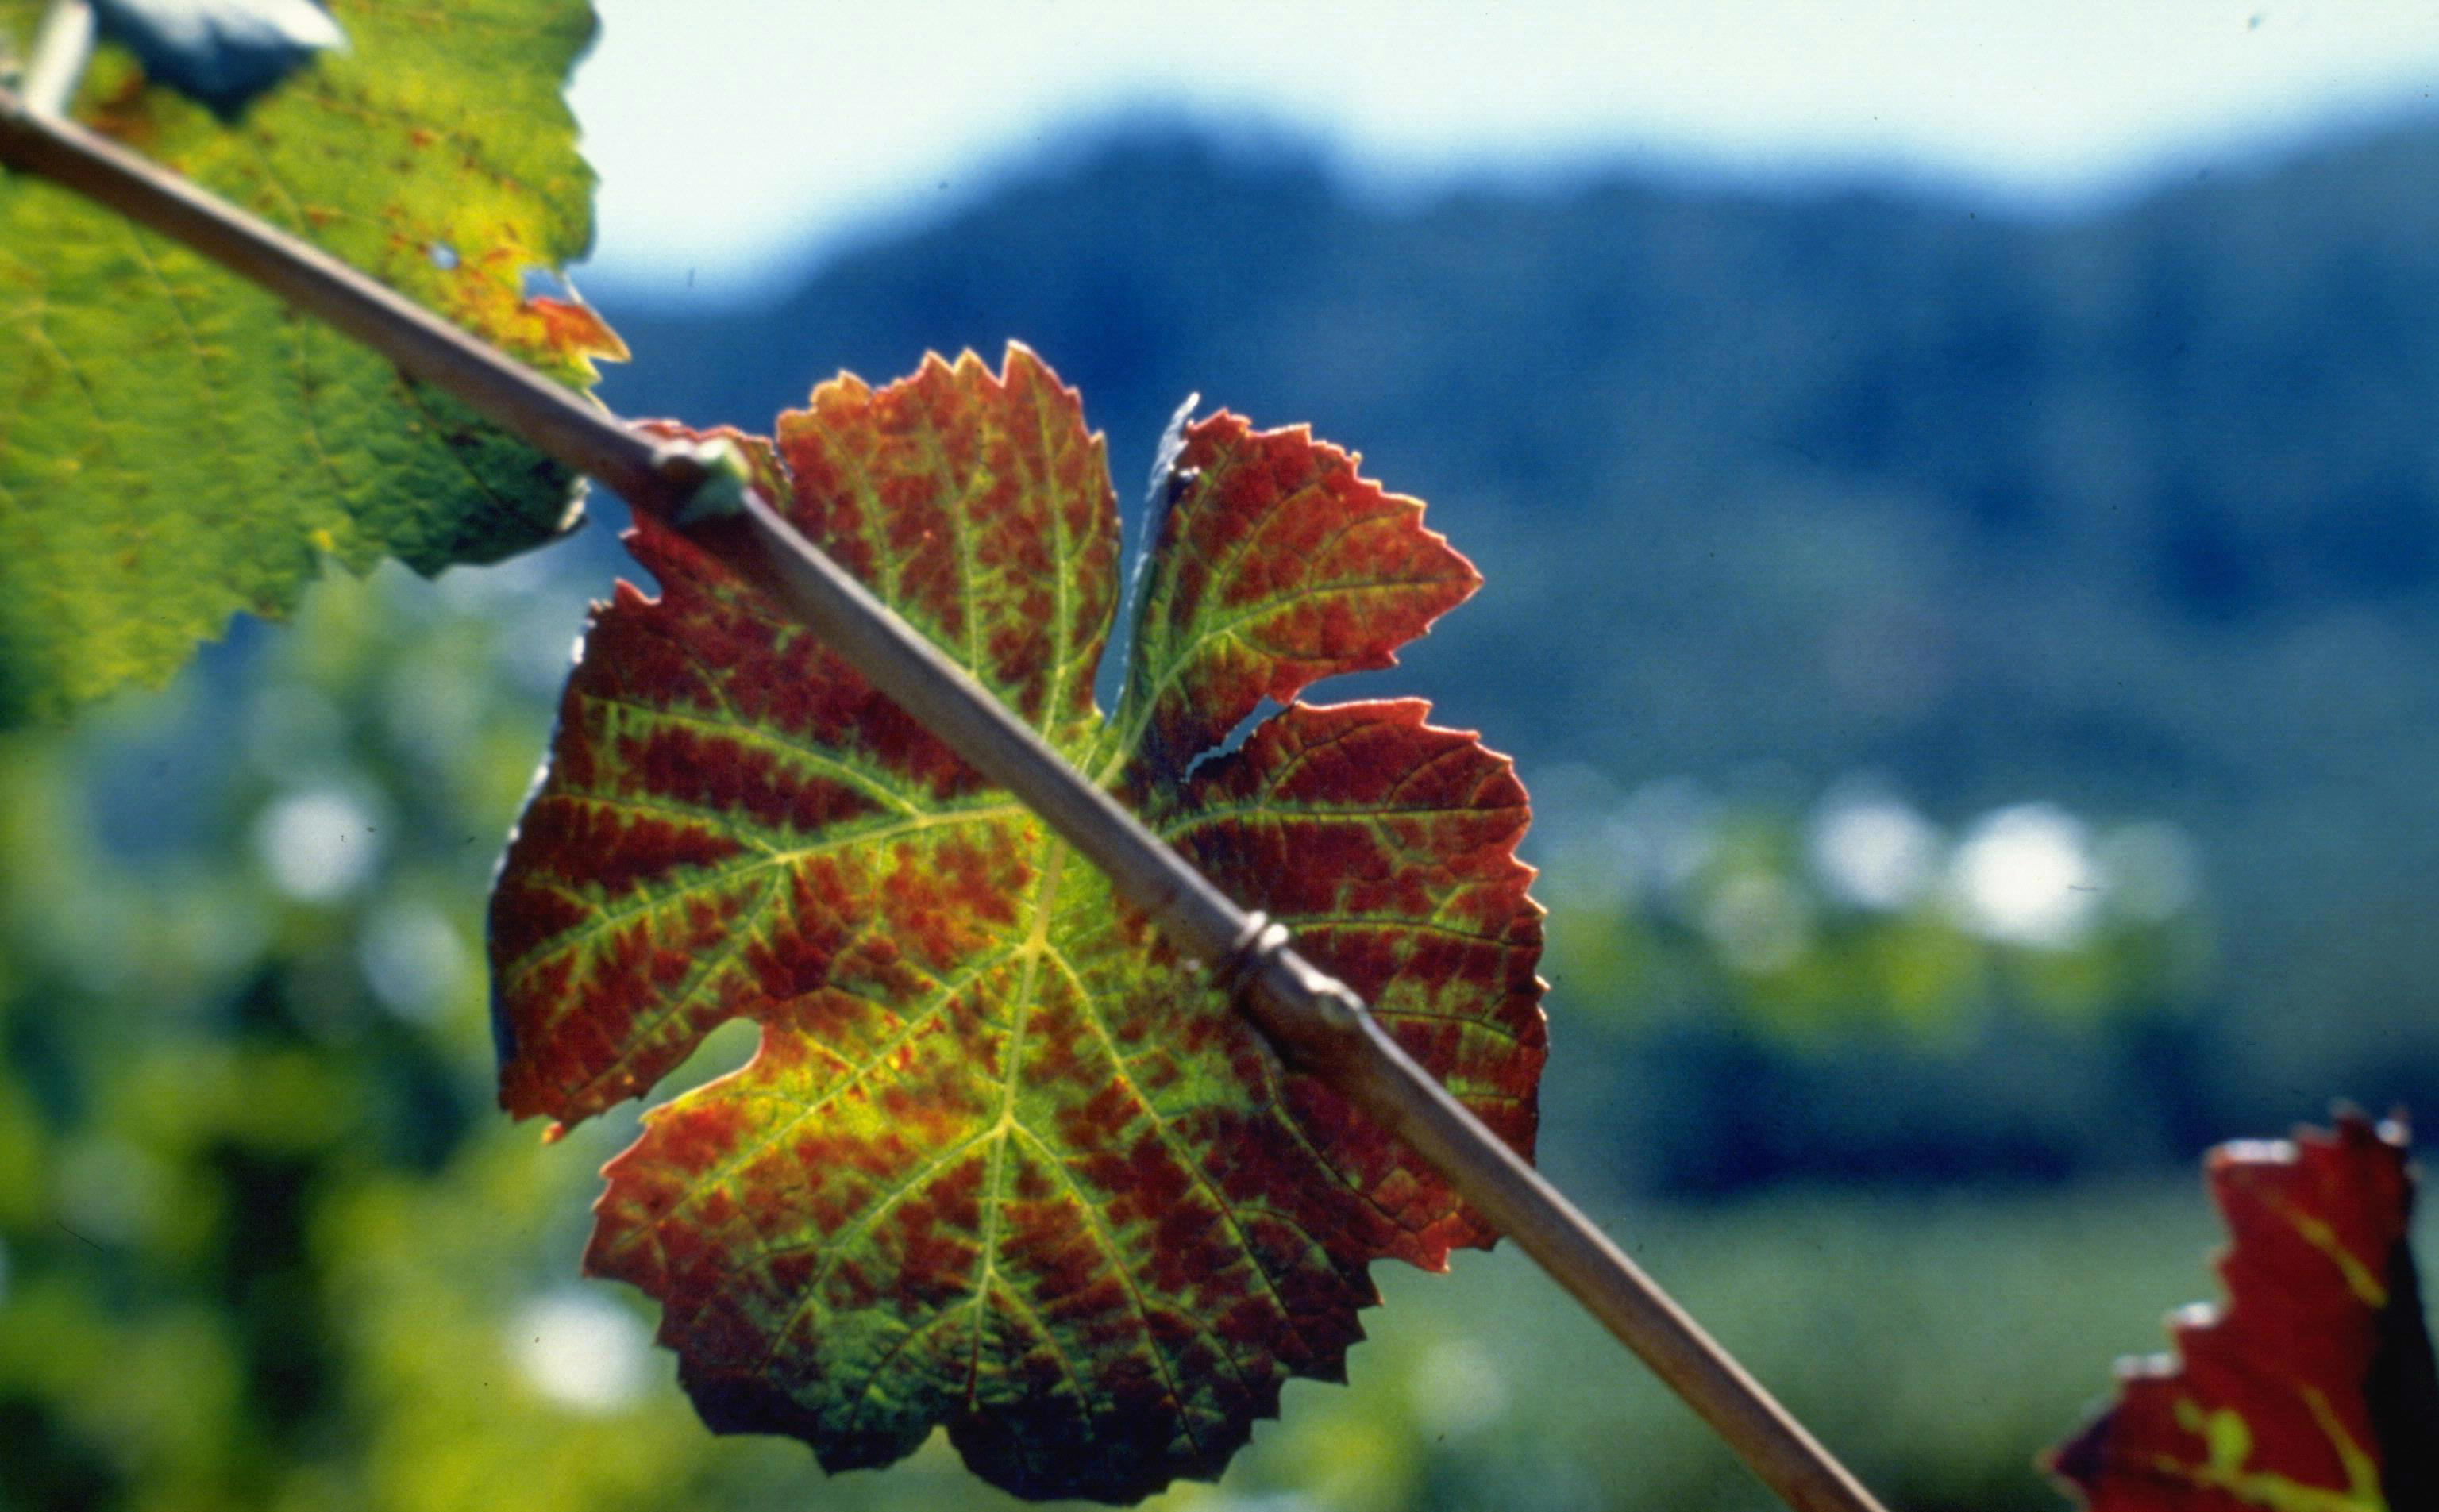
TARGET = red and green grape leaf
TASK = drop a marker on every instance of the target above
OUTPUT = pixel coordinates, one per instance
(1002, 1161)
(2312, 1389)
(178, 445)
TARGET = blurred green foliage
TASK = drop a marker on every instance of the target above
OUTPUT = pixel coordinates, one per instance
(1860, 913)
(264, 1244)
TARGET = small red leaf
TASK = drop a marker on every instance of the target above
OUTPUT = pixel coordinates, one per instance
(574, 330)
(1001, 1162)
(2312, 1389)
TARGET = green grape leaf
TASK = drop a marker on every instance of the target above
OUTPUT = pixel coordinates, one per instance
(2313, 1390)
(177, 446)
(1002, 1162)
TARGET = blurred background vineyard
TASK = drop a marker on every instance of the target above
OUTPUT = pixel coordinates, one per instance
(1978, 676)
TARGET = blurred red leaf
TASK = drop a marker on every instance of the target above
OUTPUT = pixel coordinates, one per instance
(1001, 1162)
(2312, 1389)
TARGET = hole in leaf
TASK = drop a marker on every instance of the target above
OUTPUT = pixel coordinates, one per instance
(723, 1051)
(443, 256)
(1237, 735)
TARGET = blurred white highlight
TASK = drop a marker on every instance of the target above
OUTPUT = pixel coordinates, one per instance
(318, 846)
(583, 1352)
(1873, 852)
(2024, 875)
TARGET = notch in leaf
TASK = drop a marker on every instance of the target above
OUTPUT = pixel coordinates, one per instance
(2312, 1389)
(1001, 1162)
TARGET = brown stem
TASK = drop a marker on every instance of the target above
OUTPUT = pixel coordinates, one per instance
(1313, 1020)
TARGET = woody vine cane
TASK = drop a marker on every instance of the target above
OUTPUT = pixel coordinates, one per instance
(704, 493)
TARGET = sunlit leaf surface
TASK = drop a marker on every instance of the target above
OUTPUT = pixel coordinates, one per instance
(1001, 1162)
(177, 446)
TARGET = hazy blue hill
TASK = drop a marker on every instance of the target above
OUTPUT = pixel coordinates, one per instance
(2140, 513)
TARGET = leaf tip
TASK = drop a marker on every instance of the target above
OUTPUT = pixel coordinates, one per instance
(574, 330)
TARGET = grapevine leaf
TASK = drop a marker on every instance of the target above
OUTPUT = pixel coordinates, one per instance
(2313, 1390)
(1001, 1162)
(177, 446)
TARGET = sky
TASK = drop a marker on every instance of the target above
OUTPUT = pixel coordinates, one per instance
(737, 138)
